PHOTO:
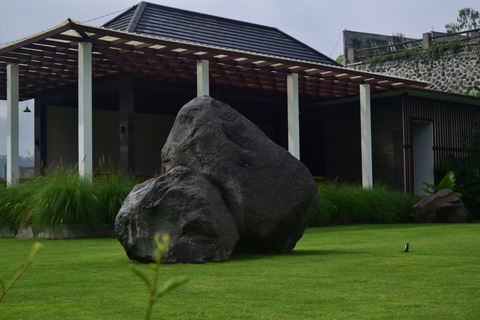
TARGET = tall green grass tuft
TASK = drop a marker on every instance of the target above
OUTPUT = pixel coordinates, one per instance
(18, 202)
(111, 190)
(11, 202)
(69, 199)
(63, 197)
(347, 203)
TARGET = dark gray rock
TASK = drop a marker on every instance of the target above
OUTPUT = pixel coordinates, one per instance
(443, 207)
(270, 193)
(185, 205)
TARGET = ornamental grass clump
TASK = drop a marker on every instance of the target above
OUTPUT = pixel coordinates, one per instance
(11, 202)
(68, 199)
(62, 196)
(111, 191)
(348, 203)
(17, 202)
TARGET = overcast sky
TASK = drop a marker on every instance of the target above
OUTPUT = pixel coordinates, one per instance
(318, 23)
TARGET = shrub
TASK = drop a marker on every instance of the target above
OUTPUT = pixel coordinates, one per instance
(465, 169)
(111, 191)
(17, 202)
(67, 198)
(347, 203)
(10, 203)
(63, 197)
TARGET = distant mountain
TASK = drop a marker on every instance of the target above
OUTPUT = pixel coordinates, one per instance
(25, 162)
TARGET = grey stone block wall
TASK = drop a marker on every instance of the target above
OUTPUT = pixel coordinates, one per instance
(56, 232)
(452, 73)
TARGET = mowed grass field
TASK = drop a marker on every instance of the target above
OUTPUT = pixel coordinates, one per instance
(335, 272)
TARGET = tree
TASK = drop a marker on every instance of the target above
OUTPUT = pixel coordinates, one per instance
(467, 19)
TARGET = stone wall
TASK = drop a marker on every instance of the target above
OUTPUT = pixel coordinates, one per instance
(56, 232)
(450, 72)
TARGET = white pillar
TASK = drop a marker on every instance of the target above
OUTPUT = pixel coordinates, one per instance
(366, 136)
(12, 124)
(85, 144)
(203, 85)
(293, 115)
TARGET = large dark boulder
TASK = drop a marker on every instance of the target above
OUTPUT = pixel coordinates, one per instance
(270, 193)
(442, 207)
(184, 204)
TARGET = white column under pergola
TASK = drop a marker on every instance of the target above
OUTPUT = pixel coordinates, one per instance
(203, 77)
(85, 140)
(12, 125)
(366, 136)
(293, 115)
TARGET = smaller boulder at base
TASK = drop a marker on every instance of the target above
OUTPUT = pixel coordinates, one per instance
(185, 205)
(442, 207)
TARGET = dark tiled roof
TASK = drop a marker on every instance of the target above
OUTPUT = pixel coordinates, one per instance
(165, 22)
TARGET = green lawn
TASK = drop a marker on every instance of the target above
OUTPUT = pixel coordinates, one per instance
(337, 272)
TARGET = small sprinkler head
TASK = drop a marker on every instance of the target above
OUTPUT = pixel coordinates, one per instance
(406, 247)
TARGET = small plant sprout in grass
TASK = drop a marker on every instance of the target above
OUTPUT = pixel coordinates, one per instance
(36, 249)
(162, 243)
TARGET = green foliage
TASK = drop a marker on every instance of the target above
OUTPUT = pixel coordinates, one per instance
(12, 205)
(340, 58)
(63, 197)
(346, 203)
(375, 62)
(162, 244)
(418, 55)
(357, 42)
(466, 170)
(448, 182)
(111, 190)
(36, 249)
(470, 89)
(69, 199)
(467, 182)
(467, 19)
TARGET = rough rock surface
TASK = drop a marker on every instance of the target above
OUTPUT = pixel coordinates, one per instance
(270, 193)
(224, 182)
(185, 205)
(443, 207)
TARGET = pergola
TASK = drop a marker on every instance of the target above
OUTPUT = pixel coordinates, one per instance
(74, 53)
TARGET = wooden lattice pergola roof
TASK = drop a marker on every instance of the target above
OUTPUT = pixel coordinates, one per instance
(48, 62)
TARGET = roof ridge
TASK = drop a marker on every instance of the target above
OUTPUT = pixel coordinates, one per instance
(307, 46)
(209, 15)
(124, 13)
(132, 25)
